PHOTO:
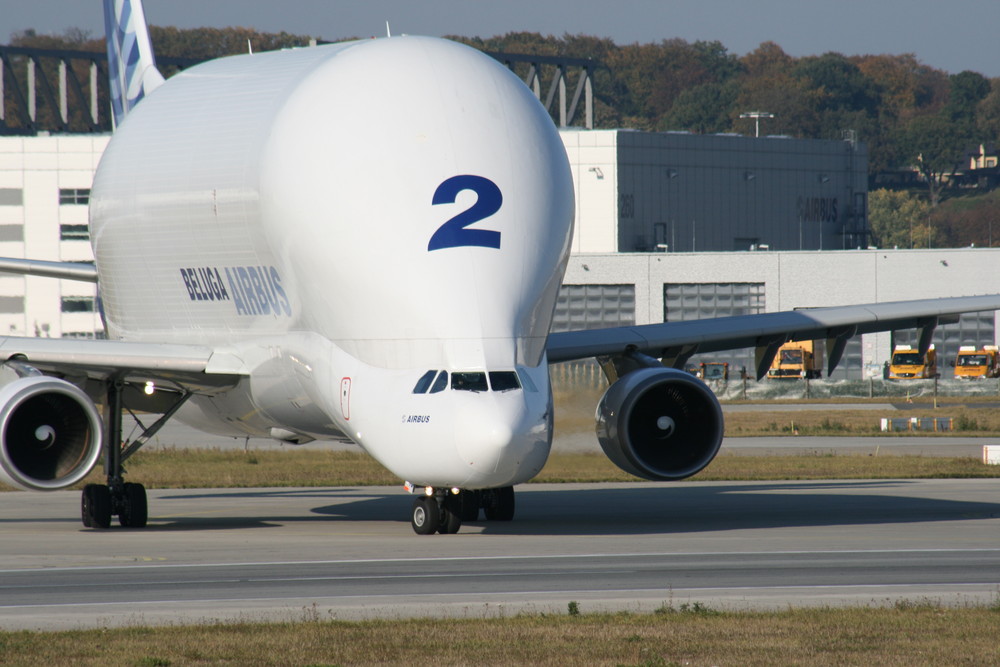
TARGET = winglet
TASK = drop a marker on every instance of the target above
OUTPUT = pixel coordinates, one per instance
(131, 66)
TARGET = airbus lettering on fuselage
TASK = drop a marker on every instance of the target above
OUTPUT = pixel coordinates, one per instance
(253, 290)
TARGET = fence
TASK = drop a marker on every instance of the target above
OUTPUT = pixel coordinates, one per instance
(587, 375)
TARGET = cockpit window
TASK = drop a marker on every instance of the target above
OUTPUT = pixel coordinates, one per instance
(441, 383)
(424, 382)
(504, 381)
(437, 381)
(469, 382)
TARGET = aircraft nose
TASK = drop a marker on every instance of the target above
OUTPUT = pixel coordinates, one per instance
(482, 446)
(503, 443)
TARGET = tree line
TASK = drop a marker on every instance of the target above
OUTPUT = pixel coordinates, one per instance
(910, 115)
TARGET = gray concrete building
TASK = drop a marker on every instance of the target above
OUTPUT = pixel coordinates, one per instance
(644, 191)
(611, 289)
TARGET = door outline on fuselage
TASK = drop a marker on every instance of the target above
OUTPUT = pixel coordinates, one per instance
(345, 398)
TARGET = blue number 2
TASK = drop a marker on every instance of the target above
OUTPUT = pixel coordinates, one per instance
(454, 232)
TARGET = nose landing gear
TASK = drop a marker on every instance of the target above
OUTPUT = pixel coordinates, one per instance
(437, 511)
(443, 511)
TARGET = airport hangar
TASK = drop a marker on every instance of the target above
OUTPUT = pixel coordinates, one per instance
(669, 226)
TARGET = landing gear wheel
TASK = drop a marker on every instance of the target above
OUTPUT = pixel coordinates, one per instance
(468, 504)
(499, 503)
(451, 521)
(426, 516)
(95, 506)
(134, 511)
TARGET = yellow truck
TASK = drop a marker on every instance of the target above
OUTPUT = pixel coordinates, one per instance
(973, 363)
(908, 364)
(795, 360)
(714, 370)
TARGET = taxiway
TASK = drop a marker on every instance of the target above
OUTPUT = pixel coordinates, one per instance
(295, 553)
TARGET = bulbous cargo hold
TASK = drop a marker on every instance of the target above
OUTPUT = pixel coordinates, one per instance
(282, 175)
(659, 424)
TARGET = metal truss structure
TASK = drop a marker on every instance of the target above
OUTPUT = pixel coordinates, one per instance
(47, 90)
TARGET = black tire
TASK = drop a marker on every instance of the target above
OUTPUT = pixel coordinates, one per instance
(451, 522)
(469, 503)
(135, 508)
(85, 503)
(426, 516)
(95, 508)
(499, 504)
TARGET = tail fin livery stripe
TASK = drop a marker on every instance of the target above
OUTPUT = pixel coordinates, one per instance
(131, 66)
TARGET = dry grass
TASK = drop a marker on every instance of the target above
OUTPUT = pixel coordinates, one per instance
(575, 414)
(921, 634)
(734, 467)
(966, 421)
(208, 468)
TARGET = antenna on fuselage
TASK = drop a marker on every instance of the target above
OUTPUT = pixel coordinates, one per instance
(388, 33)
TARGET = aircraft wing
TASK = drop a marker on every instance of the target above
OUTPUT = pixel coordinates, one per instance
(676, 342)
(81, 271)
(193, 367)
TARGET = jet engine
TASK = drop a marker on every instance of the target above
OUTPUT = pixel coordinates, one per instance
(660, 424)
(50, 433)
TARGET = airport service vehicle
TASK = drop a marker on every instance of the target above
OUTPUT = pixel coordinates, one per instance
(714, 370)
(795, 360)
(972, 363)
(360, 241)
(908, 363)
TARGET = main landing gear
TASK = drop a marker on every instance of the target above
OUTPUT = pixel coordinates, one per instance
(444, 510)
(126, 500)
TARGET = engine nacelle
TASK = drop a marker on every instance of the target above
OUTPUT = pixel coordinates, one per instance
(50, 433)
(660, 424)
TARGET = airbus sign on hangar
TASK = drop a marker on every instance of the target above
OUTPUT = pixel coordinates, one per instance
(669, 226)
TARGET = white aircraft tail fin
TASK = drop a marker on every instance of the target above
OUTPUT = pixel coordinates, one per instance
(131, 66)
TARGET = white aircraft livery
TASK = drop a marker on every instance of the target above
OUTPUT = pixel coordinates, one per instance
(360, 241)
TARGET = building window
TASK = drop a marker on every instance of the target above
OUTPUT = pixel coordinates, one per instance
(74, 232)
(78, 304)
(683, 302)
(11, 197)
(11, 304)
(74, 196)
(11, 233)
(594, 307)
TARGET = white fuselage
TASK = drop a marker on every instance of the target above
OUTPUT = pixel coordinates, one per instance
(340, 220)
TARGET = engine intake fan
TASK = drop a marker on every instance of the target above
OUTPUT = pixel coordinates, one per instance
(659, 424)
(50, 433)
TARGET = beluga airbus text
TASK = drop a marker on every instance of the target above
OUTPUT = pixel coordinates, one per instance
(360, 241)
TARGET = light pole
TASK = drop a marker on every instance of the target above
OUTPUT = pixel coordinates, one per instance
(756, 115)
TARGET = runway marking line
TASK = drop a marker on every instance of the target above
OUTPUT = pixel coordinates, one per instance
(444, 559)
(673, 591)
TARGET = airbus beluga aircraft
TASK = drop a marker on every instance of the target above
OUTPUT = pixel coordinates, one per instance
(360, 241)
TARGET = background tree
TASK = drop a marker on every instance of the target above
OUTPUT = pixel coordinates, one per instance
(704, 109)
(687, 67)
(988, 115)
(932, 145)
(968, 221)
(768, 84)
(840, 93)
(900, 220)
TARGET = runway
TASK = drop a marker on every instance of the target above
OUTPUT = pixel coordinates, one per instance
(349, 552)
